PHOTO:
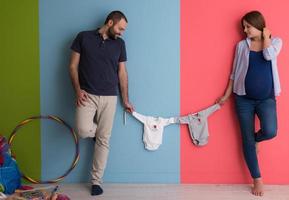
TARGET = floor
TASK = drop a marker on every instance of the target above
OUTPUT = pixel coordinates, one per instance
(174, 192)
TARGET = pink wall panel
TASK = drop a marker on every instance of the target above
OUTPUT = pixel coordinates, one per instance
(209, 32)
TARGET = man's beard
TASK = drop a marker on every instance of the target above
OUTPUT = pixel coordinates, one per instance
(111, 34)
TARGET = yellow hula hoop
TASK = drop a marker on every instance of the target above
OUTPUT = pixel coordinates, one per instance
(59, 120)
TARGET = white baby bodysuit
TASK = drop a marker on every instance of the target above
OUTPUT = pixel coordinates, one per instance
(153, 129)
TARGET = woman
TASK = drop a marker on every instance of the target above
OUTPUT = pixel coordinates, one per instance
(255, 83)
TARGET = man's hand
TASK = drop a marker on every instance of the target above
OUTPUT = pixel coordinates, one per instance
(81, 98)
(128, 107)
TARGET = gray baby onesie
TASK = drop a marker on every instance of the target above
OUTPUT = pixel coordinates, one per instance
(198, 124)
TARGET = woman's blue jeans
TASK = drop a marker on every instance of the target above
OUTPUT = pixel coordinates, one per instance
(266, 112)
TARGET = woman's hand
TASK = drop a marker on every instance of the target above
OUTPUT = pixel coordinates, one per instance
(266, 33)
(221, 100)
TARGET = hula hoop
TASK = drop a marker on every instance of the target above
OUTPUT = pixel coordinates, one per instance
(57, 119)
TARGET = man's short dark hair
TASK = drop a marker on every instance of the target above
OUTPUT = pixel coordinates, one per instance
(115, 16)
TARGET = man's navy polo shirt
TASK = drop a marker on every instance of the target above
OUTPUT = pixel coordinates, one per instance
(99, 59)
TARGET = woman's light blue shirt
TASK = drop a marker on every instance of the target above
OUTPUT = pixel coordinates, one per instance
(241, 63)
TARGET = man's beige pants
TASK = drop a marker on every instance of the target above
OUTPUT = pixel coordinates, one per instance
(95, 119)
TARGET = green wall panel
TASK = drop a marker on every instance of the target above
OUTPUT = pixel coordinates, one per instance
(20, 80)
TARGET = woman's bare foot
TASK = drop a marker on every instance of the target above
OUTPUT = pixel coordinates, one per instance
(258, 189)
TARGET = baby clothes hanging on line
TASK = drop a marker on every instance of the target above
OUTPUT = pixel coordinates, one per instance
(198, 124)
(153, 129)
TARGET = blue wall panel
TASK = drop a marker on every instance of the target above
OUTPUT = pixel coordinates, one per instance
(153, 47)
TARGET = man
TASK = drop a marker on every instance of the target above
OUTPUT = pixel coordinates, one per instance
(97, 66)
